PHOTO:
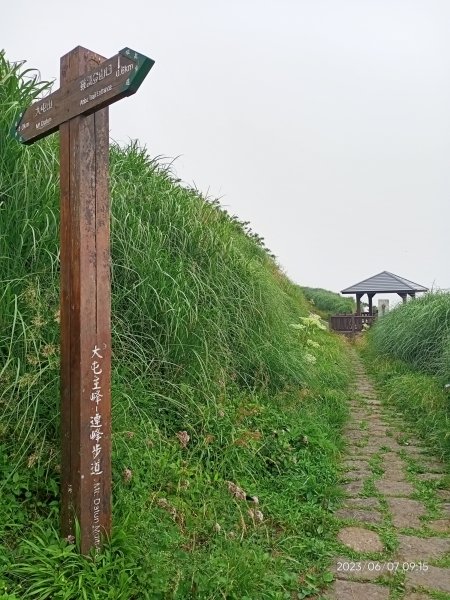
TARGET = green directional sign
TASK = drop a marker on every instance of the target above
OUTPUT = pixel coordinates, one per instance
(111, 80)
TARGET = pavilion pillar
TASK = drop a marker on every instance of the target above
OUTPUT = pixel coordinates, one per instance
(358, 303)
(412, 294)
(370, 296)
(404, 297)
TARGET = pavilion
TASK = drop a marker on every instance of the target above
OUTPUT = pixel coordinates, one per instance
(383, 283)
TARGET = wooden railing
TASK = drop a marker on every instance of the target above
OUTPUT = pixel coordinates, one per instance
(350, 323)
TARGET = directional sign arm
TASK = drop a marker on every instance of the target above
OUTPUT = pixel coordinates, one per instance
(111, 80)
(143, 66)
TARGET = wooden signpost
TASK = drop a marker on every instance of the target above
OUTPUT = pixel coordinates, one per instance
(79, 109)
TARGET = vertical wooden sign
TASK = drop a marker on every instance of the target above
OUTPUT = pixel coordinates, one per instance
(85, 316)
(89, 83)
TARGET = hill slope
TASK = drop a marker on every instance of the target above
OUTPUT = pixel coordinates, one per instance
(329, 303)
(209, 338)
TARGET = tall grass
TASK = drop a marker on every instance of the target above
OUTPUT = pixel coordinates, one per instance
(203, 344)
(408, 353)
(417, 333)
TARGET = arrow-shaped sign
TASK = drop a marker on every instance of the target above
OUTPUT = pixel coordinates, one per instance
(110, 81)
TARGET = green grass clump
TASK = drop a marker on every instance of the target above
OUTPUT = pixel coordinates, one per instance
(221, 382)
(417, 333)
(329, 303)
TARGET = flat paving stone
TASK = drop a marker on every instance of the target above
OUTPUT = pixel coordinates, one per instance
(357, 570)
(394, 488)
(355, 590)
(413, 451)
(361, 515)
(390, 443)
(356, 465)
(372, 448)
(359, 452)
(416, 596)
(443, 494)
(406, 512)
(393, 460)
(445, 508)
(354, 475)
(356, 426)
(360, 539)
(357, 434)
(357, 440)
(424, 549)
(429, 476)
(361, 503)
(434, 579)
(354, 488)
(394, 475)
(377, 428)
(408, 439)
(432, 466)
(379, 438)
(440, 525)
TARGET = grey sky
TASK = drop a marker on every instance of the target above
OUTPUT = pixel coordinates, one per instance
(326, 123)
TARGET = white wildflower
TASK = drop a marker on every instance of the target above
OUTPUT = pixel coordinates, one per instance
(310, 359)
(127, 474)
(313, 343)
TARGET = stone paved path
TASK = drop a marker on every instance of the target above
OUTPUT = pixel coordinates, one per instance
(395, 534)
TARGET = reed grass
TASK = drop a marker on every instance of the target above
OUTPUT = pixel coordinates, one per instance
(417, 333)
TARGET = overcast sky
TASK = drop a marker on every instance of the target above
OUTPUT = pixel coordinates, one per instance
(325, 123)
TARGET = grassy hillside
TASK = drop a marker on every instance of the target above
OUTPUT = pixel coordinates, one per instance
(329, 303)
(408, 352)
(222, 384)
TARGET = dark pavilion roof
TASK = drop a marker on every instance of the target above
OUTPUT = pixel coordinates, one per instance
(385, 282)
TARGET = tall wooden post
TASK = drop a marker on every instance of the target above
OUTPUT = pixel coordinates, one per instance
(358, 304)
(85, 317)
(79, 109)
(370, 297)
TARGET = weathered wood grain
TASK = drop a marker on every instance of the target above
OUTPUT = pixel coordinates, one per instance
(85, 325)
